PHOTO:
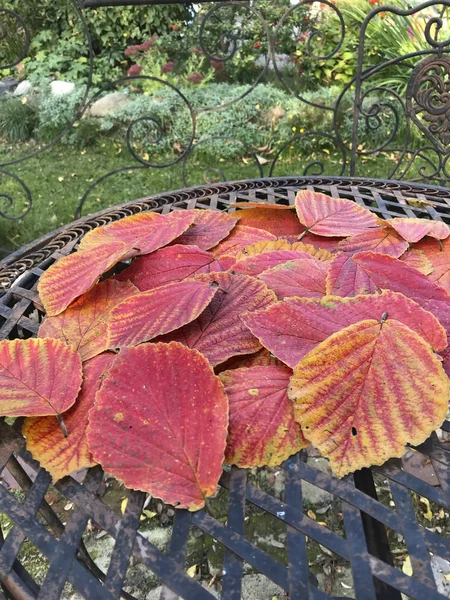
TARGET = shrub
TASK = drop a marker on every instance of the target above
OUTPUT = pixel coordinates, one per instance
(18, 120)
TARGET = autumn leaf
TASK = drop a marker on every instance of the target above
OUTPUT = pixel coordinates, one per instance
(167, 265)
(346, 277)
(261, 358)
(381, 239)
(262, 429)
(300, 277)
(275, 245)
(261, 205)
(142, 233)
(159, 423)
(358, 404)
(219, 333)
(326, 216)
(83, 325)
(292, 328)
(254, 265)
(147, 315)
(38, 377)
(60, 455)
(413, 230)
(240, 237)
(324, 244)
(439, 257)
(281, 223)
(75, 274)
(418, 260)
(208, 229)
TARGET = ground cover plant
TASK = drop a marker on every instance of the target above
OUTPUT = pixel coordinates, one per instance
(174, 343)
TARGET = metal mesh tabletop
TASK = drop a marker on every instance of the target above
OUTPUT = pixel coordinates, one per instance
(377, 520)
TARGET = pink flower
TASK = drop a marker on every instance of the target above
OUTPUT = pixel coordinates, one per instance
(196, 50)
(168, 67)
(196, 77)
(410, 32)
(257, 45)
(134, 70)
(131, 51)
(217, 65)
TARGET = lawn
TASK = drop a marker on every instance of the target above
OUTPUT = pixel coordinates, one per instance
(60, 176)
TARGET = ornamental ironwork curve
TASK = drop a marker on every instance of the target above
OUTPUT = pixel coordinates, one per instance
(417, 138)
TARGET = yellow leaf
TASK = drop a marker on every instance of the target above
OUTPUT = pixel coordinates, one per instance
(257, 107)
(145, 156)
(407, 566)
(149, 514)
(447, 577)
(24, 100)
(192, 571)
(326, 151)
(302, 130)
(60, 179)
(123, 506)
(428, 514)
(294, 129)
(311, 515)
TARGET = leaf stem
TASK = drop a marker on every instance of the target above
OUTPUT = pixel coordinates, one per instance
(302, 235)
(62, 424)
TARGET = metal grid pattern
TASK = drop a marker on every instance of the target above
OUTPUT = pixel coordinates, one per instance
(367, 523)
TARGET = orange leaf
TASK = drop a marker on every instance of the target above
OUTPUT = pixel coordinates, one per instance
(38, 377)
(326, 216)
(83, 325)
(73, 275)
(159, 423)
(439, 258)
(325, 244)
(272, 246)
(219, 332)
(300, 277)
(381, 239)
(142, 233)
(346, 278)
(262, 429)
(208, 229)
(254, 265)
(418, 260)
(147, 315)
(292, 328)
(281, 223)
(167, 265)
(413, 230)
(240, 237)
(60, 455)
(359, 404)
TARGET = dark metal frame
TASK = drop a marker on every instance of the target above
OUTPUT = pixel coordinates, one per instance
(422, 111)
(366, 519)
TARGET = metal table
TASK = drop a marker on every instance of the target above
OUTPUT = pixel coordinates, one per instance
(367, 521)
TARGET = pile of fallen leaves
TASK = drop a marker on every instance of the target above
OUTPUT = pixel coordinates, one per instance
(236, 338)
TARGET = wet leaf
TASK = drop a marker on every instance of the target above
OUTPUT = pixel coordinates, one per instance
(208, 229)
(142, 233)
(262, 429)
(60, 455)
(168, 444)
(38, 377)
(292, 328)
(326, 216)
(358, 404)
(300, 277)
(147, 315)
(73, 275)
(240, 237)
(219, 332)
(83, 325)
(413, 230)
(167, 265)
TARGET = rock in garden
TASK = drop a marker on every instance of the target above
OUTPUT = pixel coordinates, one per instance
(108, 104)
(61, 88)
(23, 88)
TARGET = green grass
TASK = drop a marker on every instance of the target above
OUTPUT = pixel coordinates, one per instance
(60, 176)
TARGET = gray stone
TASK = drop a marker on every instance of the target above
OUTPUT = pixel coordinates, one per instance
(61, 88)
(258, 587)
(441, 568)
(23, 88)
(156, 593)
(108, 104)
(311, 493)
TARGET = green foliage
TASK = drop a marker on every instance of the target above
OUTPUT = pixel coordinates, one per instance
(56, 112)
(18, 121)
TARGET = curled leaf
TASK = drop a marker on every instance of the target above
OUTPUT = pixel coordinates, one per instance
(281, 223)
(208, 229)
(413, 230)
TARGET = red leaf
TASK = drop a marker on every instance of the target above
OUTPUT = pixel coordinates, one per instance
(174, 263)
(262, 358)
(413, 230)
(142, 233)
(439, 258)
(208, 229)
(262, 429)
(38, 377)
(330, 244)
(301, 277)
(292, 328)
(240, 237)
(418, 260)
(254, 265)
(281, 223)
(150, 314)
(331, 217)
(159, 423)
(219, 332)
(73, 275)
(83, 325)
(359, 404)
(60, 455)
(346, 278)
(381, 239)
